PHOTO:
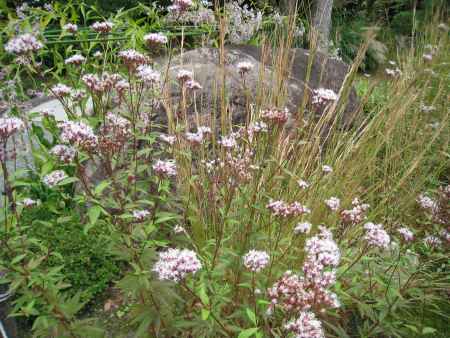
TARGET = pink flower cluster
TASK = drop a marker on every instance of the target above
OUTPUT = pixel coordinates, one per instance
(322, 95)
(275, 116)
(175, 264)
(79, 134)
(256, 260)
(155, 39)
(306, 326)
(284, 209)
(64, 153)
(23, 44)
(295, 293)
(55, 177)
(165, 168)
(102, 27)
(9, 126)
(376, 236)
(355, 215)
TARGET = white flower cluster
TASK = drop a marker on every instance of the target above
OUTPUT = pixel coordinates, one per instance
(278, 116)
(322, 250)
(23, 44)
(244, 67)
(169, 139)
(55, 177)
(165, 168)
(71, 28)
(406, 233)
(306, 326)
(256, 260)
(432, 241)
(76, 60)
(303, 184)
(64, 153)
(322, 95)
(9, 126)
(79, 134)
(102, 27)
(302, 228)
(427, 203)
(100, 84)
(147, 75)
(244, 21)
(333, 203)
(155, 39)
(376, 236)
(132, 58)
(228, 141)
(184, 75)
(198, 137)
(284, 209)
(355, 215)
(140, 215)
(175, 264)
(28, 202)
(180, 6)
(61, 90)
(327, 169)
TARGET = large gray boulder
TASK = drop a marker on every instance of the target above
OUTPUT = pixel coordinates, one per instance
(326, 72)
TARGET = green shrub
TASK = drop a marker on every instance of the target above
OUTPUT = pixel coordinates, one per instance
(84, 257)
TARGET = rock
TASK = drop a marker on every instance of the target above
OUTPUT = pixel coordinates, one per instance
(326, 72)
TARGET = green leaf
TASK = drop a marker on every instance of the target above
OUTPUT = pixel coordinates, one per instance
(251, 315)
(205, 314)
(428, 330)
(94, 213)
(202, 294)
(248, 333)
(101, 186)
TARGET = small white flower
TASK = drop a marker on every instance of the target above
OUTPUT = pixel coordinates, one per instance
(303, 184)
(327, 169)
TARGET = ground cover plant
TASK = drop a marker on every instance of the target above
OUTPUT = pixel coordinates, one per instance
(290, 224)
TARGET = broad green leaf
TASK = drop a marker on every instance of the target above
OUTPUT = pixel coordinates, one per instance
(251, 315)
(248, 332)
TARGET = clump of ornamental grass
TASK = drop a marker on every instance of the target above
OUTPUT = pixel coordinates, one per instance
(236, 230)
